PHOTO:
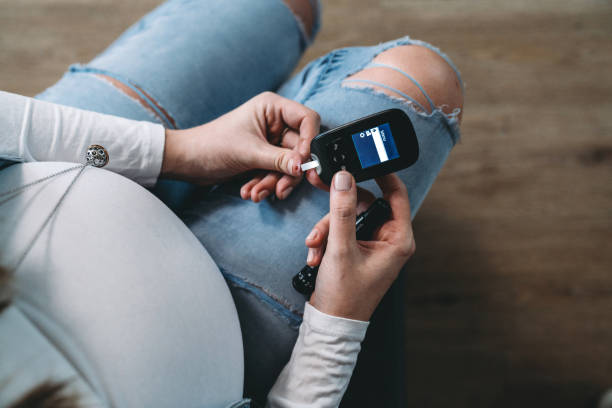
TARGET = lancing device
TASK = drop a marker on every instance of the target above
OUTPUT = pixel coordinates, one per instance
(365, 225)
(369, 147)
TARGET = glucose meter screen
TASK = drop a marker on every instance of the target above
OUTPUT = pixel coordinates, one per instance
(375, 145)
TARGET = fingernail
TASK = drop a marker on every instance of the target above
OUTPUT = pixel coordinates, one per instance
(286, 193)
(342, 181)
(290, 166)
(313, 234)
(310, 255)
(315, 252)
(263, 194)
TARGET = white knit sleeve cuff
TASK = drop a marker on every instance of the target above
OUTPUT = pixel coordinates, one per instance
(339, 326)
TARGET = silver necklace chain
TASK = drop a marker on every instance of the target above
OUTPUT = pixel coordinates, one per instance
(14, 192)
(23, 187)
(18, 190)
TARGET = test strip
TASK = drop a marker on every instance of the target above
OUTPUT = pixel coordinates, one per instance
(310, 165)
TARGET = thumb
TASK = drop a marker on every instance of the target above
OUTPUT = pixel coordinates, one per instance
(342, 211)
(279, 159)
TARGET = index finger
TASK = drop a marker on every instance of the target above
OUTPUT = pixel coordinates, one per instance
(307, 121)
(395, 192)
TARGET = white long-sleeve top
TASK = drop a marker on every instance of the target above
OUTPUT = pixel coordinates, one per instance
(321, 363)
(33, 130)
(327, 346)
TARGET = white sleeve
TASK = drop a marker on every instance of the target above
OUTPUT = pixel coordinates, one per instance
(33, 130)
(321, 364)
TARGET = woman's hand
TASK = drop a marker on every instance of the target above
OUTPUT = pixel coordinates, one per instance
(354, 275)
(317, 238)
(244, 139)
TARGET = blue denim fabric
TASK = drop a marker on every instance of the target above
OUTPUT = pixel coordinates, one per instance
(196, 59)
(199, 60)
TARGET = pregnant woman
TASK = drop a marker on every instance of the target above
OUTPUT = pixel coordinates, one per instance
(115, 299)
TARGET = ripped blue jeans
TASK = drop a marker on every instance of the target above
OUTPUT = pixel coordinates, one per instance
(194, 61)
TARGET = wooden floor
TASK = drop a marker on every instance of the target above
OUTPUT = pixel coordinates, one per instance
(509, 298)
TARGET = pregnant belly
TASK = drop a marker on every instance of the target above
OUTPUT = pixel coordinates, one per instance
(122, 288)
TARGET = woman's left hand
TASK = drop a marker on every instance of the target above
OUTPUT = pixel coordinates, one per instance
(245, 139)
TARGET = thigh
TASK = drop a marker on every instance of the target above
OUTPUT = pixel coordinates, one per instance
(259, 247)
(191, 61)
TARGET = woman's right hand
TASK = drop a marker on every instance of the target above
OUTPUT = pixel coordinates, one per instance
(354, 275)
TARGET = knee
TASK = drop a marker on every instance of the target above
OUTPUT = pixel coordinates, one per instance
(437, 78)
(306, 13)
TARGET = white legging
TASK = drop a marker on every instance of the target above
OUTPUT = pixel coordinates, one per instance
(122, 289)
